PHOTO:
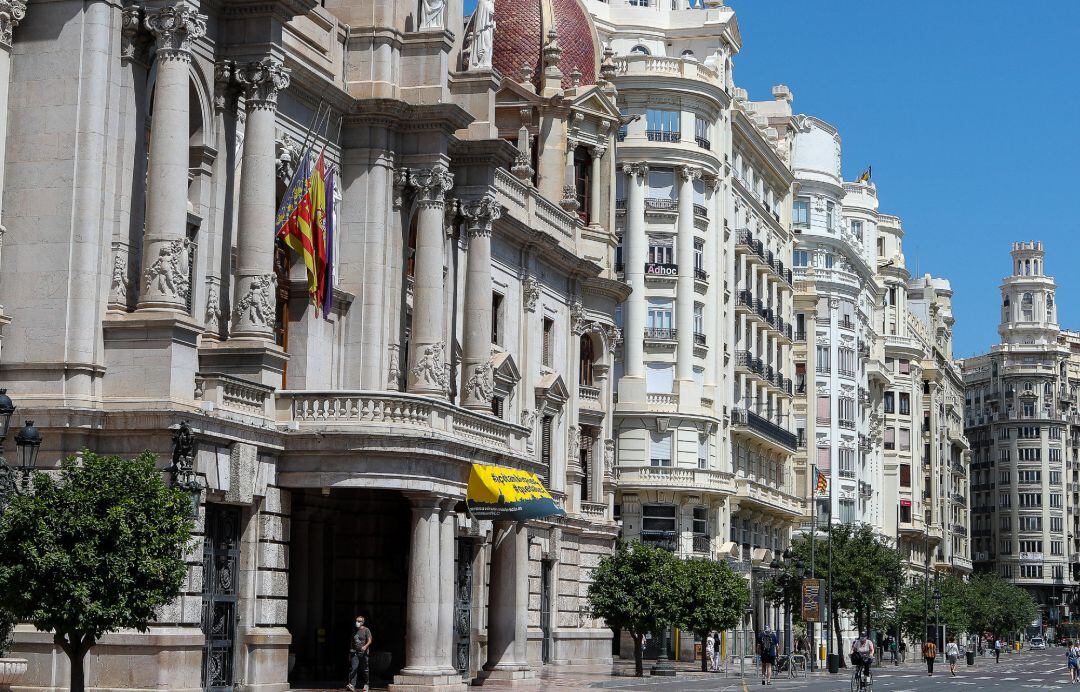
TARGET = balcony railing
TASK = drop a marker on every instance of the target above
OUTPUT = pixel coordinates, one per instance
(589, 393)
(703, 143)
(663, 135)
(665, 540)
(661, 333)
(702, 543)
(846, 323)
(699, 339)
(800, 335)
(701, 210)
(661, 203)
(764, 427)
(701, 274)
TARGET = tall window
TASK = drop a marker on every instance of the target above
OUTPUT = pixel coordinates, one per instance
(857, 228)
(659, 377)
(548, 344)
(800, 213)
(905, 403)
(545, 442)
(661, 313)
(582, 174)
(699, 319)
(800, 258)
(890, 400)
(701, 521)
(830, 213)
(823, 409)
(661, 184)
(701, 132)
(661, 250)
(662, 125)
(699, 259)
(585, 361)
(1027, 308)
(847, 463)
(660, 448)
(496, 318)
(822, 359)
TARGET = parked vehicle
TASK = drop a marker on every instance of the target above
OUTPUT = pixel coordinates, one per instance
(1037, 643)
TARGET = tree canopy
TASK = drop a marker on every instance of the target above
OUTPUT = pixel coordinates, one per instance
(917, 607)
(997, 606)
(716, 598)
(96, 549)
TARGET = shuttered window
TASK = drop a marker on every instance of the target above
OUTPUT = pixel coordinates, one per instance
(545, 440)
(660, 448)
(549, 336)
(659, 377)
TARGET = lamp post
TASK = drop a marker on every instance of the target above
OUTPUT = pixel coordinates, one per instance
(781, 567)
(183, 466)
(937, 616)
(28, 441)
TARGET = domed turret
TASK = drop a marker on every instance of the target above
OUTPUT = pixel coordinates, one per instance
(523, 30)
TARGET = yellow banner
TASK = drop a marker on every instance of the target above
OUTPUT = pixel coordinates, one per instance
(497, 492)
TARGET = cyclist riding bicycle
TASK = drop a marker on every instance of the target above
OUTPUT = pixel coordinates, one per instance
(862, 654)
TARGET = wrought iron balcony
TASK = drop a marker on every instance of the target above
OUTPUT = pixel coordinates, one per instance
(661, 333)
(703, 143)
(699, 339)
(665, 540)
(661, 203)
(663, 135)
(701, 210)
(701, 274)
(702, 543)
(764, 427)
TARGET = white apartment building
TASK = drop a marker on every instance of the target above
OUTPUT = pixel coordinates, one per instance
(703, 428)
(835, 226)
(1022, 418)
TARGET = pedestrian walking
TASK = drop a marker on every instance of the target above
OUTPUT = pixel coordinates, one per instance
(358, 656)
(952, 652)
(710, 651)
(929, 652)
(903, 650)
(767, 644)
(1072, 655)
(997, 650)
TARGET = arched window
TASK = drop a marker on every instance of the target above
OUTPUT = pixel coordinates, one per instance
(1005, 310)
(586, 361)
(639, 50)
(689, 55)
(1027, 309)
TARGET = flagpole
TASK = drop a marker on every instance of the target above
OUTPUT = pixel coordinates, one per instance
(305, 148)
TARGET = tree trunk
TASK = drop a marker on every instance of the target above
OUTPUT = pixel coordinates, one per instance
(638, 668)
(75, 645)
(839, 639)
(704, 653)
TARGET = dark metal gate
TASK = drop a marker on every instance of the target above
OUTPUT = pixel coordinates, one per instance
(221, 569)
(463, 606)
(545, 610)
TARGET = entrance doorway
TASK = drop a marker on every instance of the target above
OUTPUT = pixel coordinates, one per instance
(349, 555)
(463, 586)
(545, 610)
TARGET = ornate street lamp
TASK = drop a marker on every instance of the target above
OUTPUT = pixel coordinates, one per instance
(28, 441)
(183, 467)
(7, 408)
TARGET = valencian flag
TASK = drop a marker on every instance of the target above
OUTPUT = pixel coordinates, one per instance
(822, 483)
(497, 492)
(295, 224)
(865, 177)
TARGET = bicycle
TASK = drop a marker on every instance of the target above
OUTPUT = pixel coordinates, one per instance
(858, 682)
(791, 664)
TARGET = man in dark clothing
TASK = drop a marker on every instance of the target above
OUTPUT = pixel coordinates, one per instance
(358, 656)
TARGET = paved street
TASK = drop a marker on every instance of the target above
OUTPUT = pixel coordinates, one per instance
(1041, 670)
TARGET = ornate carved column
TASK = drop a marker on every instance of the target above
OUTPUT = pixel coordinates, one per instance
(165, 282)
(422, 599)
(476, 349)
(427, 357)
(254, 299)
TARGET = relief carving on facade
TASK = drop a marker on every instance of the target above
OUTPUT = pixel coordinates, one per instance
(212, 320)
(431, 14)
(121, 284)
(481, 384)
(133, 39)
(256, 307)
(479, 38)
(393, 372)
(609, 457)
(430, 367)
(530, 292)
(168, 274)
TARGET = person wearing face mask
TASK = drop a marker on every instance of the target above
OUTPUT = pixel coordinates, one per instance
(358, 656)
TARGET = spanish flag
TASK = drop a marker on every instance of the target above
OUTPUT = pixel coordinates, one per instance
(865, 176)
(299, 222)
(822, 483)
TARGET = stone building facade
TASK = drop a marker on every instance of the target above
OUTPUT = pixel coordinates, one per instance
(1021, 416)
(472, 321)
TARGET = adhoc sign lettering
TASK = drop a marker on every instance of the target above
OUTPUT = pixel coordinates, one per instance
(811, 600)
(497, 492)
(662, 269)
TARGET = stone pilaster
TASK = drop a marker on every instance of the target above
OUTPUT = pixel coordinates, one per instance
(635, 247)
(427, 360)
(165, 280)
(11, 13)
(255, 301)
(684, 298)
(477, 373)
(595, 174)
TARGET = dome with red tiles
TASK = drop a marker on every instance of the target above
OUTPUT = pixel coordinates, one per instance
(521, 28)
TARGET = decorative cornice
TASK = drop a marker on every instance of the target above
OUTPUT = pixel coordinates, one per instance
(262, 80)
(11, 13)
(176, 28)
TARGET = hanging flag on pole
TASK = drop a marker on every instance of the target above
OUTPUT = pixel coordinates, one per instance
(822, 483)
(296, 230)
(327, 283)
(865, 176)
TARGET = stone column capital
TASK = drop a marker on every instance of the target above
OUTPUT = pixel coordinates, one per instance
(431, 185)
(176, 27)
(689, 173)
(597, 152)
(11, 13)
(636, 169)
(261, 81)
(481, 214)
(134, 39)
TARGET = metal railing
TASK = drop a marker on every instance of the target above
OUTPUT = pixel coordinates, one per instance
(703, 143)
(701, 274)
(701, 210)
(661, 333)
(699, 339)
(702, 543)
(663, 135)
(764, 427)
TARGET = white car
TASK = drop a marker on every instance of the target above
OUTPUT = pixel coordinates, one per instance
(1037, 643)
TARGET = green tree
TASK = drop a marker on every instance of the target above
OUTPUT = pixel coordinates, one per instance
(99, 548)
(640, 589)
(917, 607)
(716, 598)
(997, 606)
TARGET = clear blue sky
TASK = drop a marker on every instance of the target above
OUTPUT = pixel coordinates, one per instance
(967, 110)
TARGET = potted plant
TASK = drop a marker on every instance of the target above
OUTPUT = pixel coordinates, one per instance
(11, 669)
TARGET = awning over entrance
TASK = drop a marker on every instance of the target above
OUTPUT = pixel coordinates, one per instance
(500, 493)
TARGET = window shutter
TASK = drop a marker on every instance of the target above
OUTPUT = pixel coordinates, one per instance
(660, 446)
(545, 440)
(659, 377)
